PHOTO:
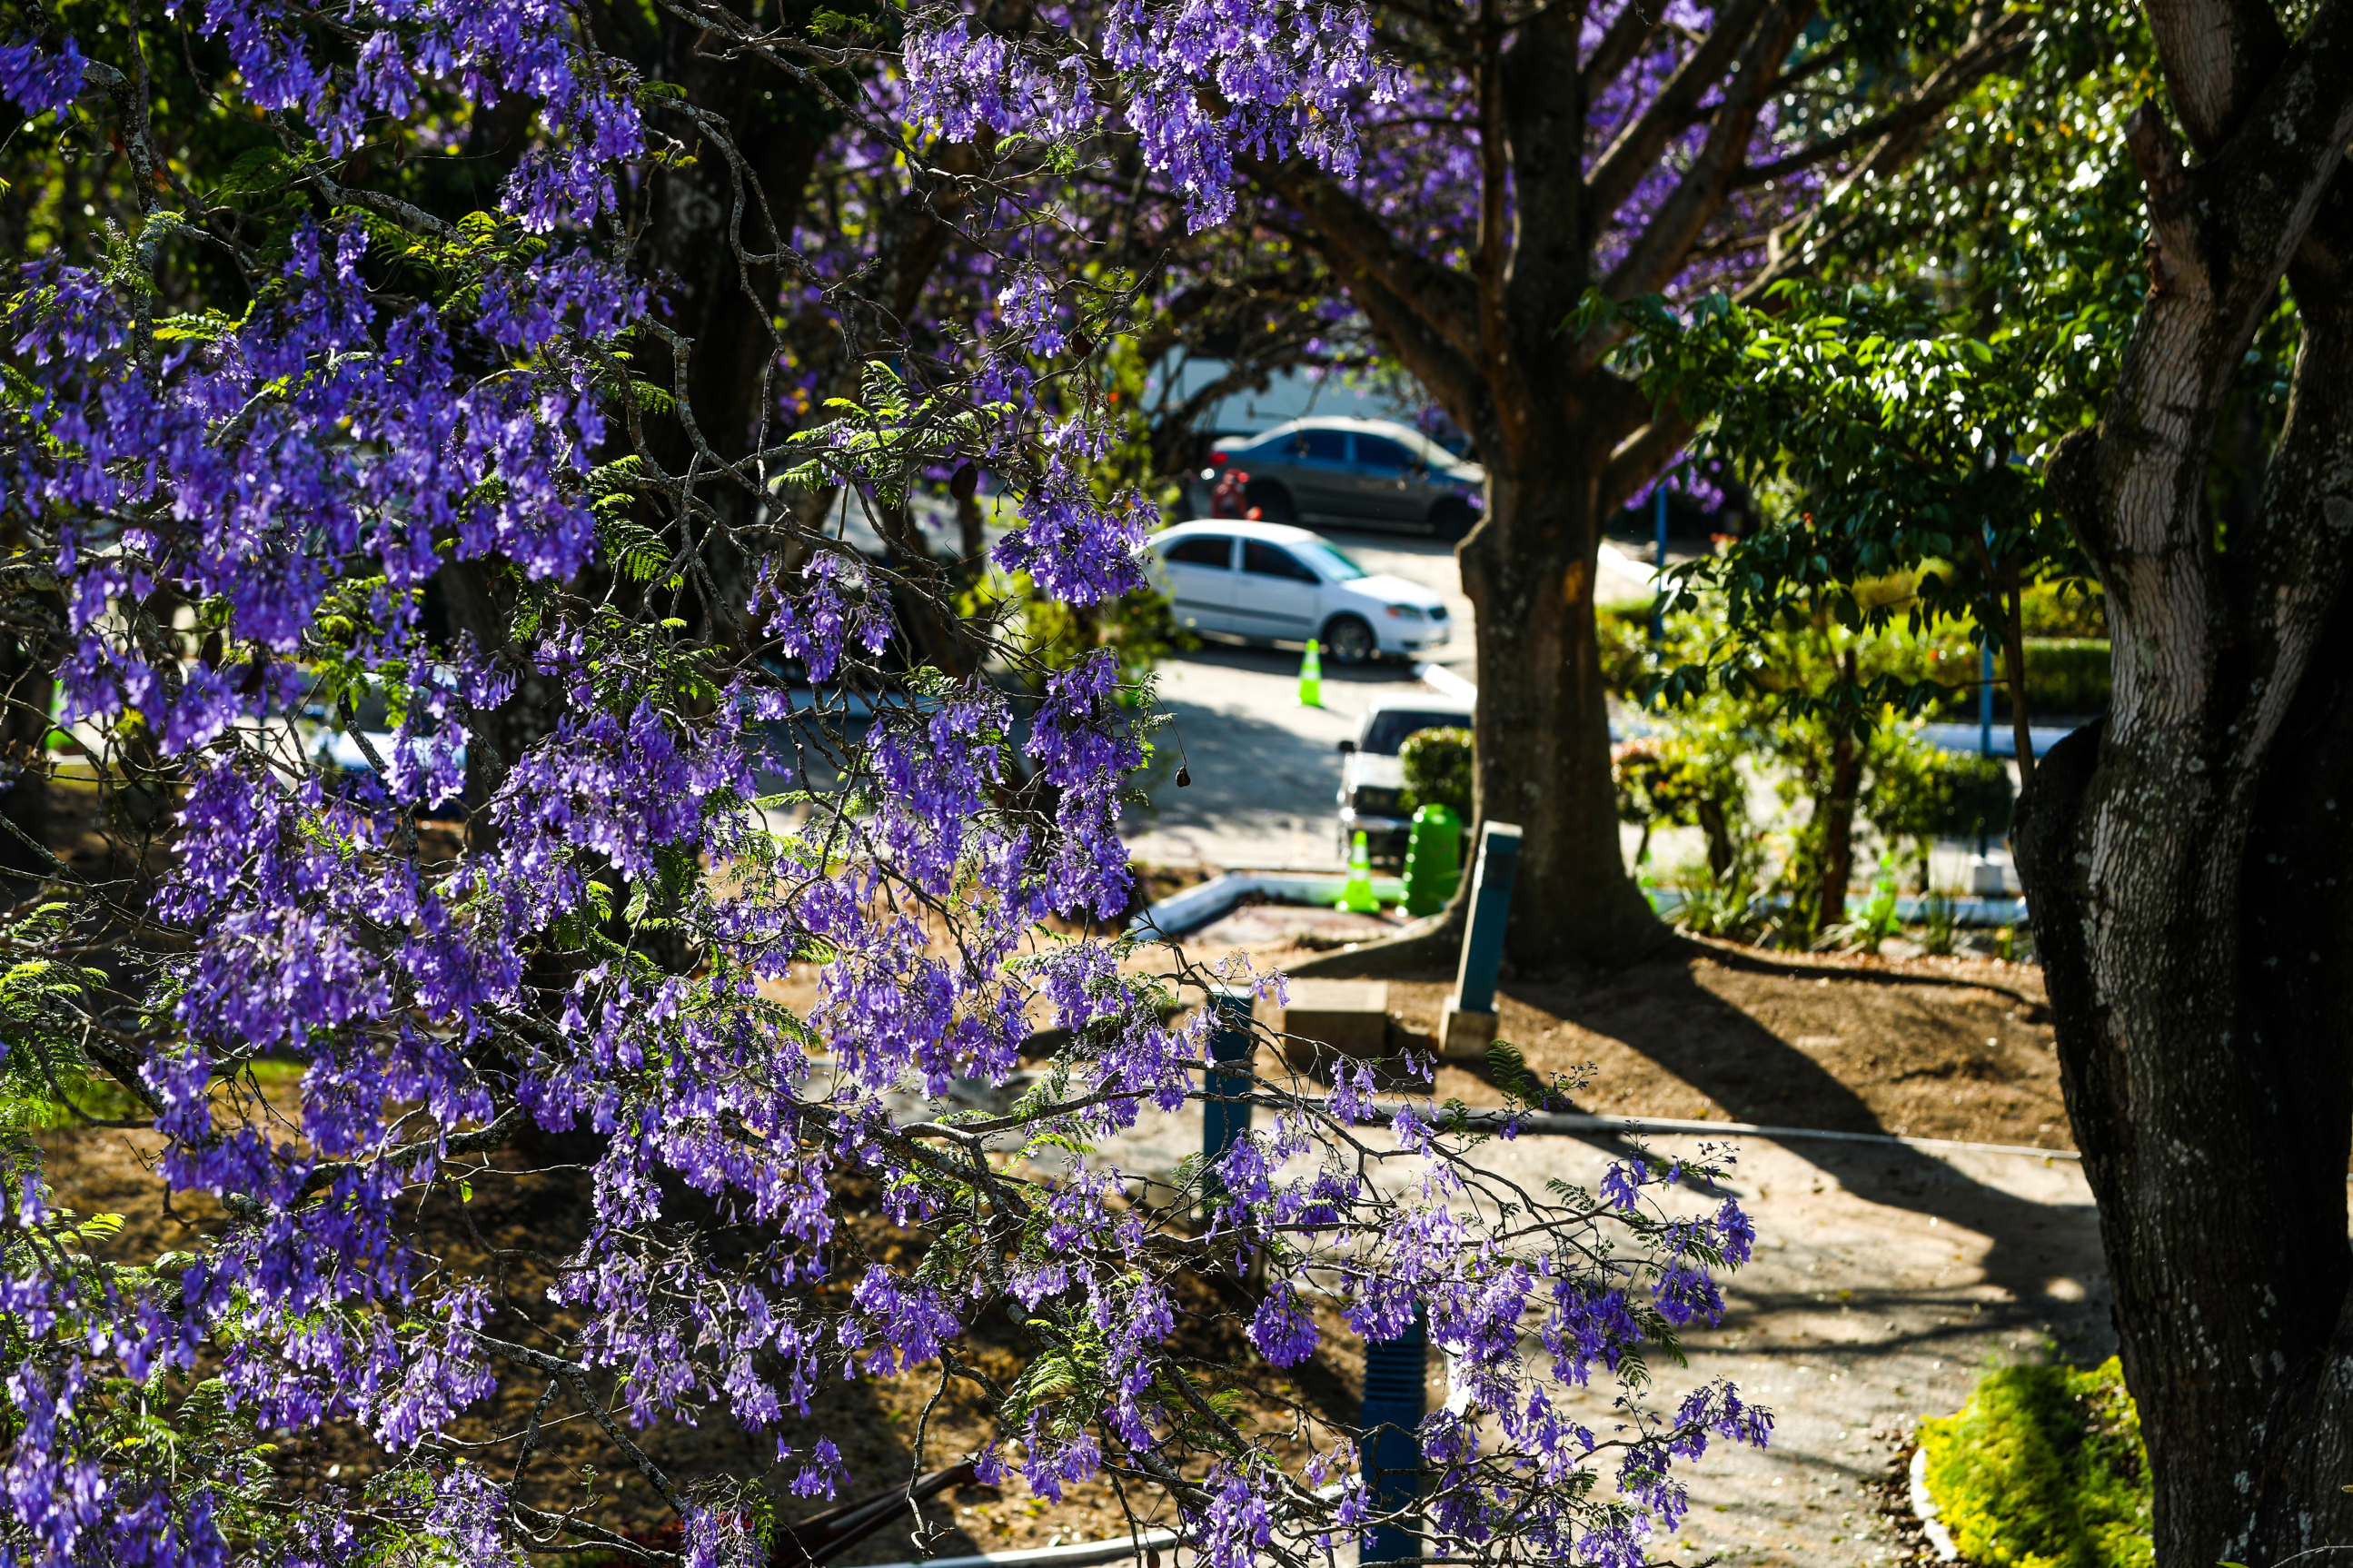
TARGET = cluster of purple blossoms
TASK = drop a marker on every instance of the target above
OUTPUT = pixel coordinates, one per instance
(249, 511)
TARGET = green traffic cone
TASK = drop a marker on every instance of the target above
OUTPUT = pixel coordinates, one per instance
(1311, 678)
(1356, 897)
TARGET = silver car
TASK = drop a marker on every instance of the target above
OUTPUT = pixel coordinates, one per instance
(1355, 472)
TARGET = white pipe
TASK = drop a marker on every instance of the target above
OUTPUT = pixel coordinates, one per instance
(1543, 1122)
(1076, 1552)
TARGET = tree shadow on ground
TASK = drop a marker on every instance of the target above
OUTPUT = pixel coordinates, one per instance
(1736, 1061)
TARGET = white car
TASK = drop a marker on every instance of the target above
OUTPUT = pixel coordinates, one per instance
(1268, 582)
(1372, 778)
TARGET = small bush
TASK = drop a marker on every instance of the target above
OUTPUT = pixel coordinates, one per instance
(2044, 1468)
(2066, 675)
(1437, 765)
(1682, 776)
(1628, 658)
(1922, 793)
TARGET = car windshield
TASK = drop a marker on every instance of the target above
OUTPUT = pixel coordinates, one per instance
(1392, 727)
(1331, 563)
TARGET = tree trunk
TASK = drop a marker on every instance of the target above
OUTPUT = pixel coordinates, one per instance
(1542, 724)
(1716, 823)
(2188, 857)
(25, 688)
(1838, 826)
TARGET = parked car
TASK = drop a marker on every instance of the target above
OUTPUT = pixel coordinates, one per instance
(1265, 582)
(1372, 779)
(1354, 472)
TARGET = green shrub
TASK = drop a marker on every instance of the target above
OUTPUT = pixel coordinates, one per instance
(2066, 675)
(1923, 792)
(1683, 776)
(1628, 655)
(2043, 1468)
(1437, 765)
(2065, 610)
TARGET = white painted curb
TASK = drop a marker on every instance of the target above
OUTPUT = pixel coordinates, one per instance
(1940, 1540)
(1439, 679)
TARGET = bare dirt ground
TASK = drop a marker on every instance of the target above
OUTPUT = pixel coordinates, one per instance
(1925, 1048)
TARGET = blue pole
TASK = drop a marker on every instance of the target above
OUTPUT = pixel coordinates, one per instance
(1224, 1121)
(1985, 702)
(1659, 605)
(1389, 1449)
(1491, 906)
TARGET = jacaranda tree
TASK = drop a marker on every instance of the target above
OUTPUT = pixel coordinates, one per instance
(1470, 174)
(371, 362)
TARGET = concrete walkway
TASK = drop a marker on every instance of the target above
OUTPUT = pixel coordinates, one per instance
(1887, 1280)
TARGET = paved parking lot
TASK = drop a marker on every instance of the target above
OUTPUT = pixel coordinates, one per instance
(1265, 771)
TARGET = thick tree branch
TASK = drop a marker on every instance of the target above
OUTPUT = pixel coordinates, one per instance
(2216, 54)
(1635, 27)
(1356, 242)
(1638, 148)
(1665, 242)
(1638, 457)
(2175, 262)
(1454, 377)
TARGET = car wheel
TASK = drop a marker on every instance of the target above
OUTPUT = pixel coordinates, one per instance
(1452, 518)
(1349, 640)
(1273, 502)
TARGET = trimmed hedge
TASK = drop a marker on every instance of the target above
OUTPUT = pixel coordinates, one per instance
(2044, 1468)
(2066, 675)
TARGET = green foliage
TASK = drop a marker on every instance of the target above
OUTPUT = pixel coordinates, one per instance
(2045, 1468)
(2070, 609)
(1803, 695)
(1876, 922)
(2066, 675)
(1507, 1066)
(1892, 414)
(1925, 792)
(45, 1079)
(1938, 925)
(1628, 655)
(1438, 765)
(1683, 776)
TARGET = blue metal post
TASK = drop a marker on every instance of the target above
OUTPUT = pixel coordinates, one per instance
(1390, 1448)
(1985, 701)
(1224, 1121)
(1491, 905)
(1985, 718)
(1659, 605)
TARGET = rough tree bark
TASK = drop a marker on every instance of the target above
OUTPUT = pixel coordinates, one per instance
(2187, 858)
(1836, 812)
(1567, 442)
(25, 686)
